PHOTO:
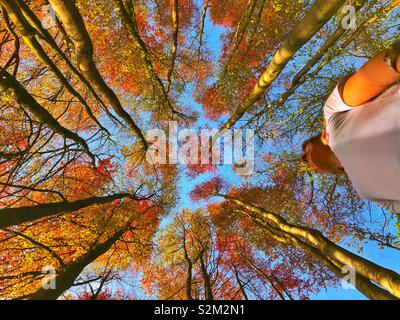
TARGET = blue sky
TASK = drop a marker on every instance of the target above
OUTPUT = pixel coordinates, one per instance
(388, 258)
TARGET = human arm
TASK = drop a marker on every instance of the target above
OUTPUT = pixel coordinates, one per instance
(371, 80)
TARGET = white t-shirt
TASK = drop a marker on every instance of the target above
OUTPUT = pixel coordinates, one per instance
(366, 139)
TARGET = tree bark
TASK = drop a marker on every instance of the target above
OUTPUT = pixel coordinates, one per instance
(386, 278)
(314, 20)
(362, 284)
(241, 286)
(241, 30)
(127, 14)
(327, 45)
(206, 277)
(15, 216)
(65, 279)
(73, 23)
(189, 276)
(302, 75)
(46, 36)
(201, 31)
(8, 82)
(28, 34)
(175, 23)
(266, 277)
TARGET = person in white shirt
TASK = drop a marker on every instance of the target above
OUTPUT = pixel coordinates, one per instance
(362, 134)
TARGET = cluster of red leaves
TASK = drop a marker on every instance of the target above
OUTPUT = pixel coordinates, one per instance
(105, 294)
(15, 139)
(195, 170)
(213, 103)
(233, 245)
(105, 167)
(186, 10)
(82, 179)
(207, 189)
(227, 13)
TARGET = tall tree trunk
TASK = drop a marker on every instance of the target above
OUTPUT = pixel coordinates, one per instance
(266, 277)
(46, 36)
(175, 23)
(364, 285)
(201, 31)
(189, 276)
(206, 277)
(127, 14)
(28, 33)
(241, 31)
(302, 75)
(8, 82)
(73, 23)
(65, 279)
(327, 45)
(314, 20)
(189, 280)
(15, 216)
(322, 247)
(241, 286)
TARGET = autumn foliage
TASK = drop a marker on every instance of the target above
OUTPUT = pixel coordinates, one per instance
(80, 202)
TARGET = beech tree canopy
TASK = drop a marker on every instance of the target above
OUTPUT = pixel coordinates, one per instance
(86, 213)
